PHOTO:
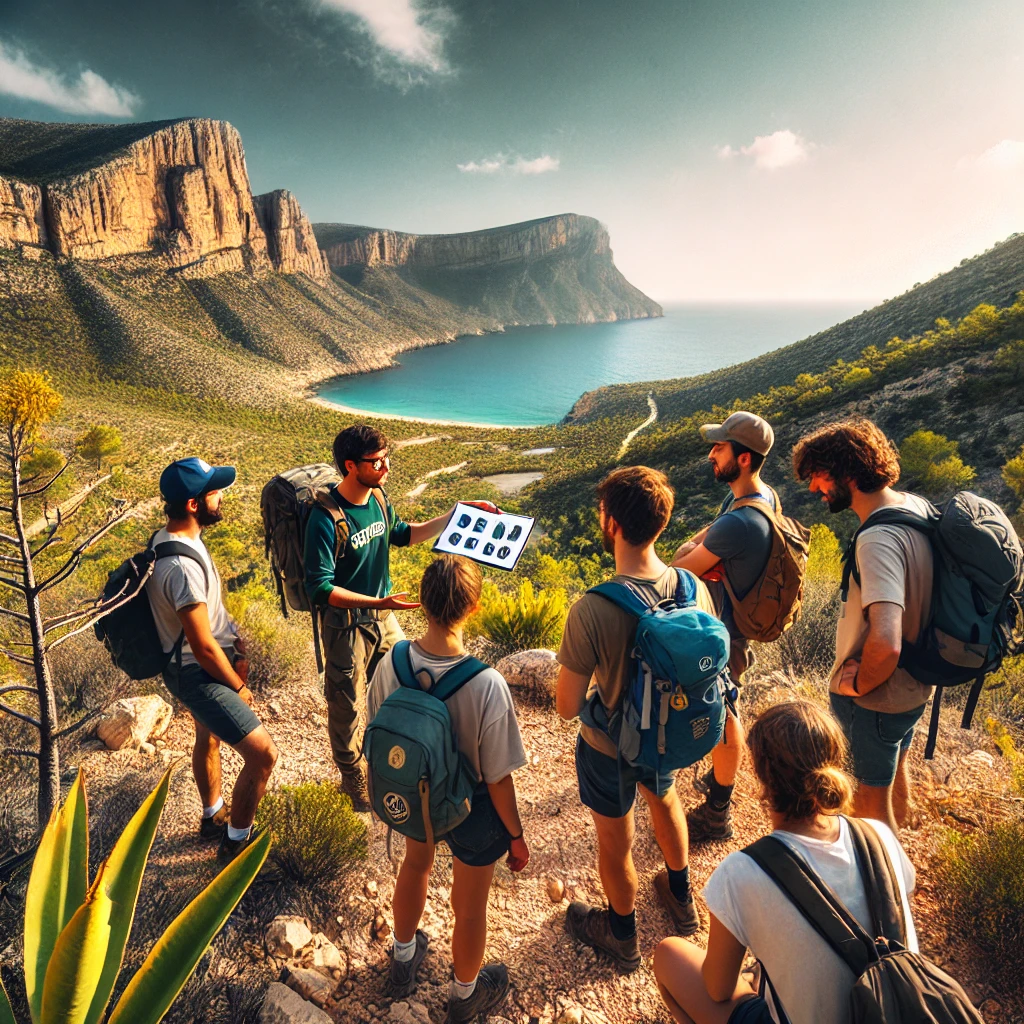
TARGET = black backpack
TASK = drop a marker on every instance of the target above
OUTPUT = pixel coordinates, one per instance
(128, 630)
(977, 590)
(892, 985)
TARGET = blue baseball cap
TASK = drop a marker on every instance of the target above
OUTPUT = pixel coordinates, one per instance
(190, 478)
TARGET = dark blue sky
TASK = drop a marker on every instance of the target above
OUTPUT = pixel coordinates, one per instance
(791, 149)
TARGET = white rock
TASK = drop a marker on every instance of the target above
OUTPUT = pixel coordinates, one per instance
(132, 721)
(326, 953)
(283, 1006)
(981, 757)
(531, 672)
(287, 935)
(410, 1012)
(311, 985)
(571, 1015)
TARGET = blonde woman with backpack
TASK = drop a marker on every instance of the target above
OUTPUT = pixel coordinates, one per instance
(486, 733)
(798, 751)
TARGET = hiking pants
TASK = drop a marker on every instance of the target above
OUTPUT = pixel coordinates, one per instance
(351, 653)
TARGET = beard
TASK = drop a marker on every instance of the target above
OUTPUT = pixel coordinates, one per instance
(607, 540)
(726, 474)
(207, 516)
(839, 497)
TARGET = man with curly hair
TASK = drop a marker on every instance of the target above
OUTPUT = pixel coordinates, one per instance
(852, 464)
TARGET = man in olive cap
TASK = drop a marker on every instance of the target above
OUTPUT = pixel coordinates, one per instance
(736, 545)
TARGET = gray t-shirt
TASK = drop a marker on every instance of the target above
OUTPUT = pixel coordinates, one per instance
(483, 716)
(742, 539)
(178, 582)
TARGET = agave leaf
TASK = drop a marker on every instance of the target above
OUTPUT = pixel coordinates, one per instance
(175, 954)
(56, 888)
(77, 959)
(6, 1013)
(121, 877)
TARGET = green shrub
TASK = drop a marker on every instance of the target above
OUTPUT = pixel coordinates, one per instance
(932, 462)
(316, 832)
(280, 650)
(520, 621)
(1013, 474)
(981, 877)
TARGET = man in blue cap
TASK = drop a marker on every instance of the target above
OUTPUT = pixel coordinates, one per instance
(208, 670)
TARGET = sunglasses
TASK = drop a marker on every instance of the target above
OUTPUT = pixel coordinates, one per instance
(383, 460)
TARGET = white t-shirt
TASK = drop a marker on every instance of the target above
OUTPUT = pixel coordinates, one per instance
(178, 582)
(483, 716)
(812, 983)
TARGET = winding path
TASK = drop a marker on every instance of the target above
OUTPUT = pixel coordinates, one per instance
(628, 439)
(425, 479)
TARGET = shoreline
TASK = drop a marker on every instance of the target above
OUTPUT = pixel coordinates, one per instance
(338, 407)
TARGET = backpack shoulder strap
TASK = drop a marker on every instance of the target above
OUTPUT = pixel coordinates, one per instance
(686, 588)
(382, 500)
(402, 663)
(880, 882)
(456, 677)
(623, 595)
(170, 548)
(816, 902)
(325, 499)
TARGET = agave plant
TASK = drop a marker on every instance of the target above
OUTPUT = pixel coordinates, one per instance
(75, 933)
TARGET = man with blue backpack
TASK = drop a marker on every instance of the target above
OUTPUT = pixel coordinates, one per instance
(643, 662)
(930, 599)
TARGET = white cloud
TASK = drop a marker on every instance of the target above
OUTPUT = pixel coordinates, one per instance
(89, 94)
(408, 35)
(783, 148)
(1007, 155)
(502, 164)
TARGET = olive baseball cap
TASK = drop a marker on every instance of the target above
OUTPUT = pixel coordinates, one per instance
(190, 478)
(744, 428)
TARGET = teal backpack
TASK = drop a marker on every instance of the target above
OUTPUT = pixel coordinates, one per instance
(977, 594)
(419, 782)
(673, 711)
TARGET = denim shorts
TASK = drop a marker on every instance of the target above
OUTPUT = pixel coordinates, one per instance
(752, 1011)
(482, 838)
(876, 738)
(211, 703)
(601, 788)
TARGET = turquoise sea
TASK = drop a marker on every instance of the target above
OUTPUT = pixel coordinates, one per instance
(533, 375)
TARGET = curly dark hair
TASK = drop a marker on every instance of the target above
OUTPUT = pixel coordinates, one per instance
(853, 450)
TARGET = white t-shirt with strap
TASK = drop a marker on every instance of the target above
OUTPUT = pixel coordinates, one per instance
(812, 983)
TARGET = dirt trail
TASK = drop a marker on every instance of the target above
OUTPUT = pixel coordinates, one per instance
(426, 478)
(628, 439)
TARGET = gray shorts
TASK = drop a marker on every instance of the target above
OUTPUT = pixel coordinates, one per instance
(211, 703)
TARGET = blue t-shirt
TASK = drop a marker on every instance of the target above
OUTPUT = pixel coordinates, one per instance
(742, 539)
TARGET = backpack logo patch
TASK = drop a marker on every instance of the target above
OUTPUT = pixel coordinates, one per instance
(679, 700)
(396, 807)
(699, 726)
(705, 664)
(396, 757)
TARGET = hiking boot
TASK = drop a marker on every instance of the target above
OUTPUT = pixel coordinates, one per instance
(702, 783)
(592, 926)
(489, 994)
(229, 849)
(402, 977)
(685, 918)
(707, 823)
(353, 783)
(214, 826)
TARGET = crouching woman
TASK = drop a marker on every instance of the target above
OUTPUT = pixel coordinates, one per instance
(798, 751)
(487, 734)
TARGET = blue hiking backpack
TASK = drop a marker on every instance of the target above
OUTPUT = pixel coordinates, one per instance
(419, 782)
(977, 590)
(673, 711)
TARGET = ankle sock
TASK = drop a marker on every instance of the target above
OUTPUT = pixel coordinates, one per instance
(623, 925)
(234, 834)
(463, 989)
(719, 795)
(679, 884)
(404, 951)
(209, 812)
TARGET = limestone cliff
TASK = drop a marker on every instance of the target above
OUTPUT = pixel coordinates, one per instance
(21, 214)
(290, 240)
(552, 270)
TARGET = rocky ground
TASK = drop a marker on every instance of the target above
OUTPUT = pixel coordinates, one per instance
(554, 980)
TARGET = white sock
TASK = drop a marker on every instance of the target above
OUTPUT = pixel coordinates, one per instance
(463, 989)
(209, 812)
(234, 834)
(404, 951)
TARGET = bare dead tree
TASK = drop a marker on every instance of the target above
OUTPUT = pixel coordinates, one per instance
(26, 401)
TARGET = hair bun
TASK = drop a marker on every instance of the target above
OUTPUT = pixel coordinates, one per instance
(828, 788)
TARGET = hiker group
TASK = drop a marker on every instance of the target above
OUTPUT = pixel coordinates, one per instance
(652, 663)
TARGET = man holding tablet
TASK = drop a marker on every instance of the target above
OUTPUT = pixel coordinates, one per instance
(347, 564)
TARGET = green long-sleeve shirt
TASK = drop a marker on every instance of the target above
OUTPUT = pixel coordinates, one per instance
(363, 563)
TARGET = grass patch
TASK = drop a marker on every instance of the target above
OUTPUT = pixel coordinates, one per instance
(521, 621)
